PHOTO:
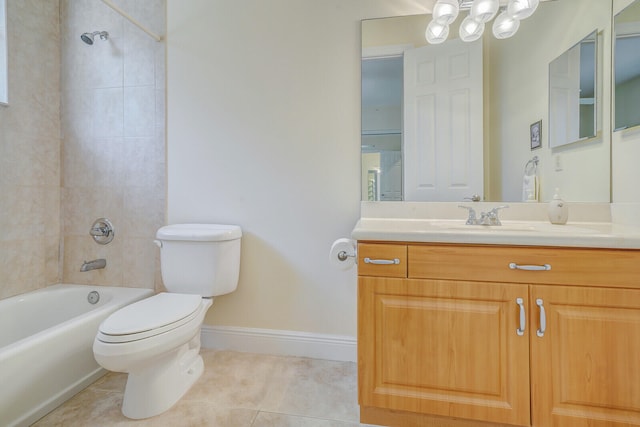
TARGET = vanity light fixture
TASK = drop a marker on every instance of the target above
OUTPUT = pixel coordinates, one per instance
(480, 12)
(445, 11)
(470, 29)
(436, 32)
(505, 25)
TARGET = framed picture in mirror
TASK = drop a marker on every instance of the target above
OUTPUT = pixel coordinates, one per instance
(535, 131)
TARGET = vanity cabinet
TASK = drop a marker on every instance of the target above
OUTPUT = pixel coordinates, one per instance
(452, 333)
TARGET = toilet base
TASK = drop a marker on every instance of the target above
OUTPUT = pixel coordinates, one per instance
(157, 385)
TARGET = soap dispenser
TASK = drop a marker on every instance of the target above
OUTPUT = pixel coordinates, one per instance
(558, 210)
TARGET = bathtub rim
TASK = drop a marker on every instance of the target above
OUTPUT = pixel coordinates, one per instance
(58, 329)
(36, 408)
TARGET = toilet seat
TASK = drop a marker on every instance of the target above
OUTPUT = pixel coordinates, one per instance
(149, 317)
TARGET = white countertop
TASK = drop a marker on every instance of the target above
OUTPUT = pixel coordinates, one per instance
(597, 232)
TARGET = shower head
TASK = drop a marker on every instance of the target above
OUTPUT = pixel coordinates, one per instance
(88, 37)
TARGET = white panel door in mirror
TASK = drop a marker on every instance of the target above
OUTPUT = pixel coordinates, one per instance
(443, 122)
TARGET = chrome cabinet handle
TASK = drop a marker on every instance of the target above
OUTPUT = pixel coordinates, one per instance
(543, 318)
(523, 320)
(544, 267)
(382, 261)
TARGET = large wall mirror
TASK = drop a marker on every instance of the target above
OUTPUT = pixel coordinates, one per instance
(627, 67)
(514, 94)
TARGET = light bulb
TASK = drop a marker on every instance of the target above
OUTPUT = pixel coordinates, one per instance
(521, 9)
(445, 11)
(484, 10)
(470, 29)
(505, 25)
(436, 32)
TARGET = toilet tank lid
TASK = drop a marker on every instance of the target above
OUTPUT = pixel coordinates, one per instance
(199, 232)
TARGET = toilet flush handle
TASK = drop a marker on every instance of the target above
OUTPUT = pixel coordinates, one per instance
(158, 243)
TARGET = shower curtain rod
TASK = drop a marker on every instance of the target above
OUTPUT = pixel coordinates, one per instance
(132, 20)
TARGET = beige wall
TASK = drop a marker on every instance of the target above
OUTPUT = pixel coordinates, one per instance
(82, 138)
(30, 150)
(263, 132)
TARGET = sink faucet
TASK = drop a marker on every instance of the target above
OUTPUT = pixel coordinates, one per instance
(93, 265)
(491, 217)
(486, 218)
(472, 219)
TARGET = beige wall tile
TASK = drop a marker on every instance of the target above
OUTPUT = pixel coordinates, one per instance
(30, 150)
(64, 160)
(113, 155)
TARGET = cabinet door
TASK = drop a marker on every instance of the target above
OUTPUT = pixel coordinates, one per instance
(585, 368)
(445, 348)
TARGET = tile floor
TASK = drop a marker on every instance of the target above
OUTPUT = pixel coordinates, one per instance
(236, 390)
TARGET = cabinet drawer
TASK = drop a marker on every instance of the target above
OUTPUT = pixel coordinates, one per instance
(570, 266)
(383, 260)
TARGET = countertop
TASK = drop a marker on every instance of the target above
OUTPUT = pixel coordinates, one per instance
(597, 232)
(524, 233)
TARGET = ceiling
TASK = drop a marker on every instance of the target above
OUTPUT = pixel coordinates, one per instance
(429, 3)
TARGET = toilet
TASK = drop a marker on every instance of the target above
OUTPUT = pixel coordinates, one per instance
(157, 340)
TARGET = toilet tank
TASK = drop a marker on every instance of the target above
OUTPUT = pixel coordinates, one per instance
(201, 259)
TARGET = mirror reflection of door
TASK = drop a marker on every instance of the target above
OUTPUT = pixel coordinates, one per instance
(443, 122)
(422, 123)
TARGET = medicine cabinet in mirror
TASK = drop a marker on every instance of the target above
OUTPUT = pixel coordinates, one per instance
(572, 93)
(514, 94)
(627, 67)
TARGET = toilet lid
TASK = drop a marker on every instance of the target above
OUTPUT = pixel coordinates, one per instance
(149, 317)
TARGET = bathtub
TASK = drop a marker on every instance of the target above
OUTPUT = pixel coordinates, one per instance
(46, 340)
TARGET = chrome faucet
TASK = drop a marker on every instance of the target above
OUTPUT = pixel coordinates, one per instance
(472, 219)
(93, 265)
(492, 216)
(486, 218)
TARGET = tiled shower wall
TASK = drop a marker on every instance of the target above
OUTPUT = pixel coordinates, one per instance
(113, 156)
(82, 138)
(30, 149)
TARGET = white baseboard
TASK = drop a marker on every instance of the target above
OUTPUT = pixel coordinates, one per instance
(287, 343)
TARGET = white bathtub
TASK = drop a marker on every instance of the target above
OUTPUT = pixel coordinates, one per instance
(46, 339)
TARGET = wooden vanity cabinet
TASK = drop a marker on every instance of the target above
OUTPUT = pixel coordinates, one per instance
(440, 339)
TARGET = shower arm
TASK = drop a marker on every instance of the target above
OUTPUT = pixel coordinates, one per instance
(132, 20)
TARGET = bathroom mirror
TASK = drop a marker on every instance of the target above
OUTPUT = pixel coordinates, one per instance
(627, 67)
(515, 75)
(572, 93)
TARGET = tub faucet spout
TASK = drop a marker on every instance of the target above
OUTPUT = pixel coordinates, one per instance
(93, 265)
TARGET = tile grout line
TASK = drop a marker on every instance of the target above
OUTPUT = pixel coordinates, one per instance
(307, 417)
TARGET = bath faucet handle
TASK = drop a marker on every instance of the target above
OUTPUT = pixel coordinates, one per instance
(102, 231)
(471, 219)
(99, 231)
(492, 215)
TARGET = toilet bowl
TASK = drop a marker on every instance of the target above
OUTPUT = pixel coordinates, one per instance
(157, 340)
